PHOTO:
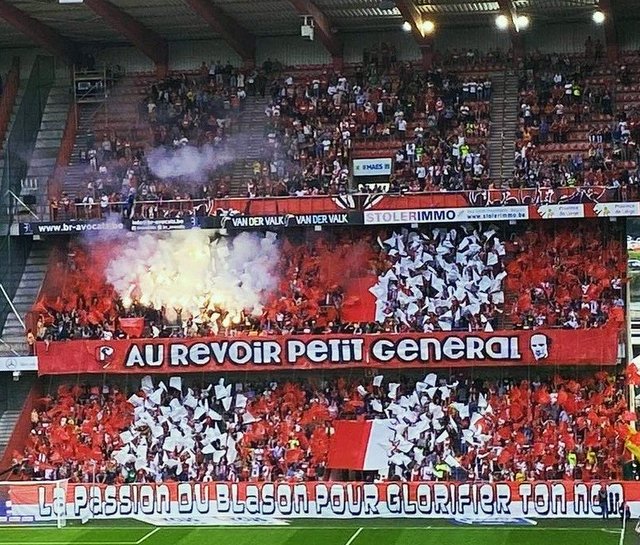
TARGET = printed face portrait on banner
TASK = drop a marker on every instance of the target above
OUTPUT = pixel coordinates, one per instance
(540, 346)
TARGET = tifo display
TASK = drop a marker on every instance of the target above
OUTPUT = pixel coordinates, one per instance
(425, 429)
(468, 277)
(393, 298)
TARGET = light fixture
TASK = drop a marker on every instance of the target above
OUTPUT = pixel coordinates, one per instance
(502, 22)
(522, 22)
(598, 17)
(428, 26)
(406, 26)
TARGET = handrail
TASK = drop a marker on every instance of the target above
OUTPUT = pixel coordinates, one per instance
(269, 205)
(8, 98)
(55, 182)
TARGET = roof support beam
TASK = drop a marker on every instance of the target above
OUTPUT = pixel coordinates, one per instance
(610, 34)
(517, 39)
(322, 26)
(151, 44)
(240, 40)
(40, 33)
(412, 15)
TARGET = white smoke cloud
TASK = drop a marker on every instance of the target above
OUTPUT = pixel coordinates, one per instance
(188, 270)
(187, 161)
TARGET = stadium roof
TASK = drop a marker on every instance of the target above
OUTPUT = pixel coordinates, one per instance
(178, 20)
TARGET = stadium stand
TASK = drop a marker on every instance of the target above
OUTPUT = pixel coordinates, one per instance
(456, 278)
(464, 430)
(459, 320)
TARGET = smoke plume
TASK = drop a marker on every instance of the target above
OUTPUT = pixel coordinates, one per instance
(188, 162)
(191, 271)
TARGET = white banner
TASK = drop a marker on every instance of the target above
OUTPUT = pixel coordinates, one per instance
(372, 167)
(561, 211)
(445, 215)
(617, 209)
(41, 501)
(19, 363)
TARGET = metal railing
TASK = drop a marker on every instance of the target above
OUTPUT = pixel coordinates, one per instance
(17, 153)
(267, 205)
(21, 141)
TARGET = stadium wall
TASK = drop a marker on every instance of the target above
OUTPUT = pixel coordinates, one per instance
(628, 35)
(554, 38)
(189, 54)
(292, 49)
(27, 57)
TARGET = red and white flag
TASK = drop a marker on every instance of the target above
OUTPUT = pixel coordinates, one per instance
(360, 445)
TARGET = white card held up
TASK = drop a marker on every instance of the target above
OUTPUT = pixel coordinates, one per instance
(146, 384)
(121, 455)
(451, 461)
(214, 415)
(220, 391)
(190, 401)
(156, 397)
(393, 390)
(208, 449)
(248, 418)
(176, 382)
(136, 400)
(377, 380)
(217, 456)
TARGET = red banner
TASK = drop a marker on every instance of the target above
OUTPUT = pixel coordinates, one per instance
(274, 206)
(442, 349)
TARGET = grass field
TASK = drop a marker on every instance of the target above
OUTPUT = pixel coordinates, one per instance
(329, 532)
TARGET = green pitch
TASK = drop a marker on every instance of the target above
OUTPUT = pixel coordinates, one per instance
(329, 532)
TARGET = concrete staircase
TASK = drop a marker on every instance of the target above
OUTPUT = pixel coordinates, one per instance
(36, 267)
(45, 153)
(118, 112)
(4, 226)
(76, 172)
(12, 119)
(249, 141)
(8, 421)
(504, 117)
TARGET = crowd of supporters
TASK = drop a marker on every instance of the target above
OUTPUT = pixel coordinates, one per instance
(462, 278)
(574, 281)
(191, 111)
(438, 120)
(434, 125)
(461, 428)
(572, 132)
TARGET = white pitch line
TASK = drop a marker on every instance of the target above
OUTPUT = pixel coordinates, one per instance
(322, 527)
(94, 526)
(18, 542)
(71, 530)
(148, 535)
(354, 536)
